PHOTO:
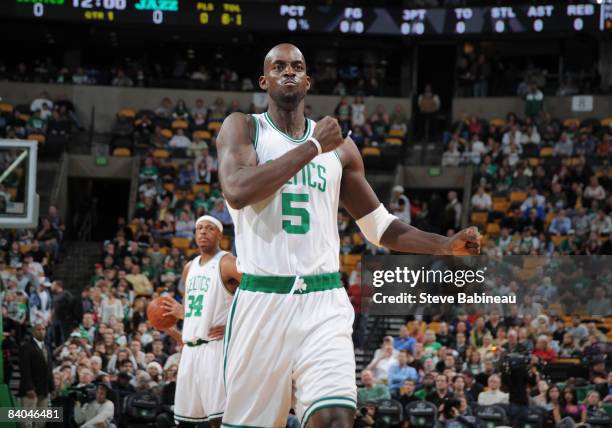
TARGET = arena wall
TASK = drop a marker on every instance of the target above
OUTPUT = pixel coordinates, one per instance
(560, 107)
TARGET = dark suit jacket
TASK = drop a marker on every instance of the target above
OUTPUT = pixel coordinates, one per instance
(36, 373)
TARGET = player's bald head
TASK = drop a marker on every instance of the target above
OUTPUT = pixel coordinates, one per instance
(284, 51)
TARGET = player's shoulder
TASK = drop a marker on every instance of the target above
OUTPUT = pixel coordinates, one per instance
(188, 265)
(227, 260)
(238, 123)
(348, 152)
(239, 119)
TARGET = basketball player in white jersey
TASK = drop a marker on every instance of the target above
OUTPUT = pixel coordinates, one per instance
(210, 282)
(288, 336)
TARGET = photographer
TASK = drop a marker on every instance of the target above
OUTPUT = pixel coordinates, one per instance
(518, 372)
(368, 417)
(99, 411)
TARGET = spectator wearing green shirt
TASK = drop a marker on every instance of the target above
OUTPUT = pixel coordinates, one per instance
(149, 170)
(427, 386)
(36, 124)
(371, 391)
(534, 101)
(202, 201)
(430, 345)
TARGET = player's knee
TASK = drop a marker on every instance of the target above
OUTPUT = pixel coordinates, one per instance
(333, 417)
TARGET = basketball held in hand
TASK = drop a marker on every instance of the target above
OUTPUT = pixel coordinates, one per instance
(155, 315)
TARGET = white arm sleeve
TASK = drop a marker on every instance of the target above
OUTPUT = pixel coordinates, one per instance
(374, 224)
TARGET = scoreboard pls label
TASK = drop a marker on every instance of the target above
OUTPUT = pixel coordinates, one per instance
(306, 17)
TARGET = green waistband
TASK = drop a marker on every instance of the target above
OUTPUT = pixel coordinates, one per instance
(284, 284)
(196, 343)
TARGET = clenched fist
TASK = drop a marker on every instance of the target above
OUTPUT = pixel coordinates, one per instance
(465, 243)
(327, 131)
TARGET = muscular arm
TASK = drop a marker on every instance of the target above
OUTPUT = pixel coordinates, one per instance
(242, 180)
(229, 273)
(184, 281)
(359, 199)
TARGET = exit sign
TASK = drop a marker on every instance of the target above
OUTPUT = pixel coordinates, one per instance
(435, 171)
(101, 161)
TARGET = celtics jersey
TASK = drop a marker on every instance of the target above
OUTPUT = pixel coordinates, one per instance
(207, 301)
(294, 231)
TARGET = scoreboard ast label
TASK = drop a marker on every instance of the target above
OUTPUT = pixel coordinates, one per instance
(307, 17)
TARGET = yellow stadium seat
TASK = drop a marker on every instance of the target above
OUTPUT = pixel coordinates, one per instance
(546, 152)
(214, 126)
(37, 137)
(180, 124)
(6, 108)
(479, 218)
(548, 219)
(23, 116)
(606, 122)
(126, 113)
(557, 239)
(226, 243)
(169, 187)
(493, 229)
(572, 121)
(356, 238)
(397, 133)
(24, 248)
(557, 308)
(122, 152)
(134, 226)
(533, 262)
(350, 261)
(533, 162)
(196, 188)
(161, 153)
(573, 161)
(204, 135)
(500, 206)
(518, 196)
(191, 251)
(394, 141)
(166, 133)
(370, 151)
(181, 243)
(499, 122)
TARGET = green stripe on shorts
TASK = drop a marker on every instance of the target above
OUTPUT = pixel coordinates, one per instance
(284, 284)
(327, 402)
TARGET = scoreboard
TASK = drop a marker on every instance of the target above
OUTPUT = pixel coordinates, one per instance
(311, 18)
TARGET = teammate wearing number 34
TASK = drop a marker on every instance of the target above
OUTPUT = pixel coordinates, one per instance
(288, 336)
(210, 281)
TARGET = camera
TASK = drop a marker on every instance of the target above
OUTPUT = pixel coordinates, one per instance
(515, 361)
(83, 394)
(449, 404)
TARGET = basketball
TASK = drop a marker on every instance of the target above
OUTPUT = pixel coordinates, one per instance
(155, 315)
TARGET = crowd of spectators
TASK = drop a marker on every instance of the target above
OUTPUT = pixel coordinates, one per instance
(481, 75)
(344, 77)
(43, 120)
(464, 365)
(541, 185)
